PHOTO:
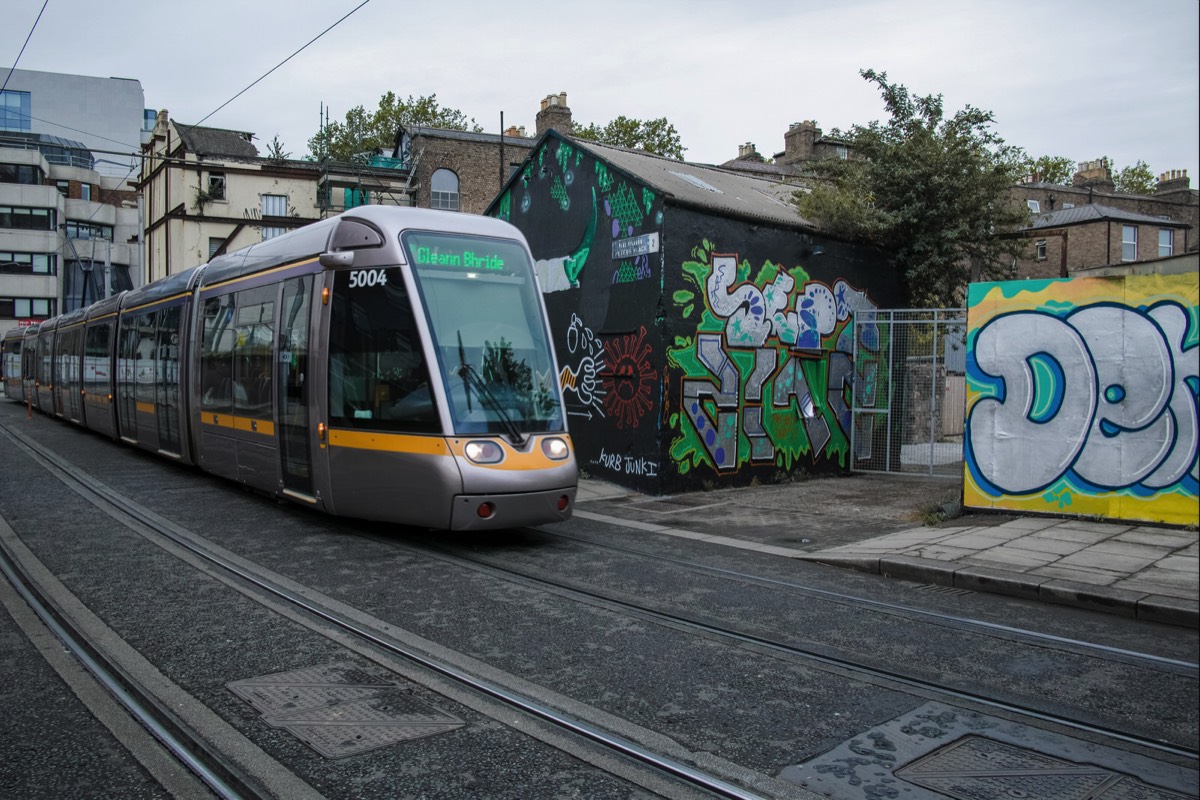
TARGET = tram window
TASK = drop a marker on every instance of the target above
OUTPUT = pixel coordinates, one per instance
(144, 358)
(95, 364)
(216, 356)
(254, 337)
(378, 378)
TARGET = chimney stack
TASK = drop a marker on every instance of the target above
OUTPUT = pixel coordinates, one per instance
(800, 142)
(1175, 180)
(1095, 174)
(555, 114)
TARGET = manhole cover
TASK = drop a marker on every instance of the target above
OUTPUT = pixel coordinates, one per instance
(341, 710)
(977, 768)
(937, 751)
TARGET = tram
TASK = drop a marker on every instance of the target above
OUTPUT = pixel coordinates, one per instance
(389, 364)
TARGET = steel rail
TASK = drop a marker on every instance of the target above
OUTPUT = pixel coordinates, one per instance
(205, 763)
(86, 485)
(857, 600)
(651, 614)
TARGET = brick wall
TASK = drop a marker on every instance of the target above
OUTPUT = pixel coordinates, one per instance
(476, 163)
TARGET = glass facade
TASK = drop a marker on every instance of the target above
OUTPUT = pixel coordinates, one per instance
(15, 111)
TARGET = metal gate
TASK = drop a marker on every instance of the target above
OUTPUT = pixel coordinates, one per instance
(909, 391)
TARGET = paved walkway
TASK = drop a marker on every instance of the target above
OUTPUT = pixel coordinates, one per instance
(1142, 571)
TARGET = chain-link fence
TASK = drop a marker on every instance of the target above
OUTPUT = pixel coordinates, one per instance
(909, 391)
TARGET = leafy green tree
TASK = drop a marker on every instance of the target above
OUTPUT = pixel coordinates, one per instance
(1051, 169)
(1137, 179)
(931, 191)
(363, 131)
(275, 151)
(656, 136)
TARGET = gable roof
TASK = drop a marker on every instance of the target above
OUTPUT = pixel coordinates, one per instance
(1094, 212)
(701, 186)
(216, 141)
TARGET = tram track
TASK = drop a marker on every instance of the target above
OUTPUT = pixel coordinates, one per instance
(662, 772)
(902, 610)
(371, 636)
(893, 678)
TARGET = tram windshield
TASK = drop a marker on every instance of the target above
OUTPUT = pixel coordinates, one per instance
(485, 314)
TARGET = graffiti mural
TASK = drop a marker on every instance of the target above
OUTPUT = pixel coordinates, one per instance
(767, 376)
(681, 364)
(630, 380)
(1082, 397)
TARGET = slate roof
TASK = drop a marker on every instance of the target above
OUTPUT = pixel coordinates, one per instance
(706, 187)
(469, 136)
(216, 141)
(1095, 212)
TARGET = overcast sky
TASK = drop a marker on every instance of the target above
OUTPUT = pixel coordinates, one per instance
(1074, 78)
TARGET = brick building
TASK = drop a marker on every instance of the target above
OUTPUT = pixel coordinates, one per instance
(803, 143)
(1089, 224)
(1082, 237)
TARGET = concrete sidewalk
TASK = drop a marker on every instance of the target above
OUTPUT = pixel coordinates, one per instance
(1140, 571)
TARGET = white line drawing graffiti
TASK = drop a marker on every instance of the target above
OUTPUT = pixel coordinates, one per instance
(1108, 392)
(582, 378)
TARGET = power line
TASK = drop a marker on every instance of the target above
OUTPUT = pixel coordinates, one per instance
(280, 64)
(27, 38)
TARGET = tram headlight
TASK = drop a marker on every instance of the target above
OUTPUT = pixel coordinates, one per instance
(555, 448)
(484, 452)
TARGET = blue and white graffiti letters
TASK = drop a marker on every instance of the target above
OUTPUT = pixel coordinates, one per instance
(1107, 392)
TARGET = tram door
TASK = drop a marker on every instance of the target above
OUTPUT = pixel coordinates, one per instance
(292, 379)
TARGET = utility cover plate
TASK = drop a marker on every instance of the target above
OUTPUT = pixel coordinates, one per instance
(341, 709)
(976, 768)
(938, 751)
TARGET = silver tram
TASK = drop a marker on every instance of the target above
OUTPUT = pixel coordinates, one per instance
(388, 364)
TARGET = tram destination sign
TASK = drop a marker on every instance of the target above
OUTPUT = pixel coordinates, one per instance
(463, 252)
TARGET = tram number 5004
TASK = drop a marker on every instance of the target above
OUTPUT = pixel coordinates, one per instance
(362, 278)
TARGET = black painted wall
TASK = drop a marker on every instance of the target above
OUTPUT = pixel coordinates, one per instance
(695, 349)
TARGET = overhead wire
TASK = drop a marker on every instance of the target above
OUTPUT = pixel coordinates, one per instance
(280, 64)
(27, 38)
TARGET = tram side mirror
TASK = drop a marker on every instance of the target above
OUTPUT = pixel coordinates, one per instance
(344, 258)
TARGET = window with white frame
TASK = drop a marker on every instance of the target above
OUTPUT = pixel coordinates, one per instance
(274, 205)
(271, 231)
(843, 152)
(1040, 250)
(1034, 206)
(1166, 242)
(444, 190)
(1129, 242)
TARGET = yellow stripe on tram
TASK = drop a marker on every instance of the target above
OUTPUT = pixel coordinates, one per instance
(389, 442)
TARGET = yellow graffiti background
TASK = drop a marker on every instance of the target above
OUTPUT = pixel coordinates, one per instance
(1175, 505)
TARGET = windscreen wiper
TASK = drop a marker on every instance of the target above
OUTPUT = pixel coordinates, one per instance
(471, 380)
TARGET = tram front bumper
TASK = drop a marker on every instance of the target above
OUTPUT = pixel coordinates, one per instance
(479, 512)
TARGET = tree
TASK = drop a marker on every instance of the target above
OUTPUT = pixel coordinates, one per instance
(275, 150)
(1137, 179)
(364, 131)
(931, 191)
(656, 136)
(1051, 169)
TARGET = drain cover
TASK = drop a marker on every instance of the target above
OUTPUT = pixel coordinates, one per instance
(977, 768)
(341, 710)
(938, 751)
